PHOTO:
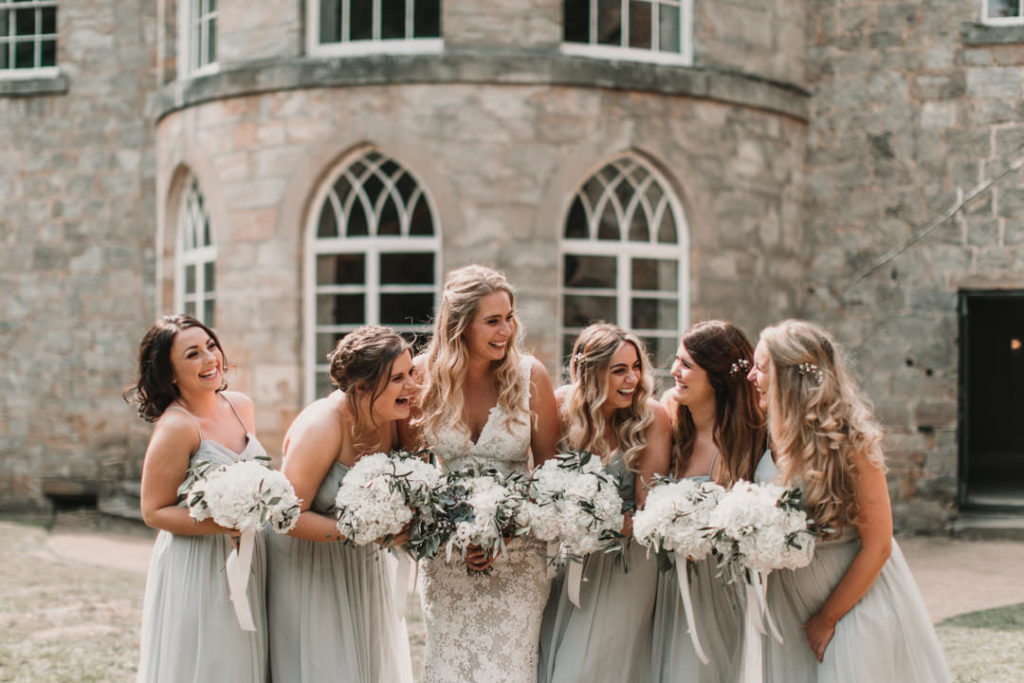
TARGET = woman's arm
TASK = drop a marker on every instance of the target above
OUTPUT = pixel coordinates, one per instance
(545, 432)
(654, 457)
(310, 446)
(166, 462)
(874, 526)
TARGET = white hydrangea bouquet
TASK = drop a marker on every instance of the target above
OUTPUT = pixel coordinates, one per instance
(382, 494)
(760, 528)
(245, 496)
(576, 504)
(676, 518)
(479, 509)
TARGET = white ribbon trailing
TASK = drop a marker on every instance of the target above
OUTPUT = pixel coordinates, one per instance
(403, 567)
(753, 629)
(237, 569)
(682, 571)
(574, 578)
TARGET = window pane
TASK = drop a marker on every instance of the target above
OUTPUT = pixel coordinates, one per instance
(211, 39)
(208, 310)
(323, 384)
(580, 311)
(341, 269)
(325, 343)
(427, 19)
(208, 277)
(190, 308)
(576, 17)
(608, 228)
(24, 22)
(389, 221)
(4, 52)
(654, 314)
(590, 271)
(407, 269)
(667, 231)
(48, 53)
(190, 279)
(662, 350)
(406, 309)
(421, 222)
(576, 224)
(669, 29)
(330, 21)
(360, 18)
(327, 226)
(638, 228)
(660, 275)
(49, 20)
(1003, 8)
(340, 309)
(24, 55)
(640, 24)
(609, 22)
(392, 19)
(357, 225)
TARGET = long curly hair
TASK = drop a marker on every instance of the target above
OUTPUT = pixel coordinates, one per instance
(818, 420)
(722, 350)
(589, 368)
(360, 365)
(155, 389)
(447, 360)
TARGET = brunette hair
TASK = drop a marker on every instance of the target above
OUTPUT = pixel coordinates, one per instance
(155, 388)
(722, 350)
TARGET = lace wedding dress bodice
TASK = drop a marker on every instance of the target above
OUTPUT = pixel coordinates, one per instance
(485, 627)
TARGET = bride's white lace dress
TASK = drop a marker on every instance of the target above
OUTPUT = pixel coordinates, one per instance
(486, 627)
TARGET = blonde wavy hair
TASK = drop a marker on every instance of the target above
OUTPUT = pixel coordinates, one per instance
(444, 372)
(818, 420)
(589, 374)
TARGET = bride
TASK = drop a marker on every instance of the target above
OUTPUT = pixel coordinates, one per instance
(483, 404)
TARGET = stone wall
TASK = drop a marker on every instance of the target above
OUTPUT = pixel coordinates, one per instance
(77, 224)
(913, 106)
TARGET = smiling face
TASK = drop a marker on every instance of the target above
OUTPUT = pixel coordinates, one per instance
(197, 361)
(692, 387)
(493, 325)
(398, 387)
(623, 377)
(759, 374)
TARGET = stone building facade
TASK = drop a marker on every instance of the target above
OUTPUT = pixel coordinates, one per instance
(746, 162)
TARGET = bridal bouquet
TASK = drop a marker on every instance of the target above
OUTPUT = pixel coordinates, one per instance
(575, 503)
(382, 494)
(479, 508)
(762, 527)
(677, 517)
(244, 495)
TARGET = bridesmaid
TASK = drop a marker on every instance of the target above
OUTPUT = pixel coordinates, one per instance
(331, 606)
(718, 434)
(854, 613)
(189, 628)
(608, 410)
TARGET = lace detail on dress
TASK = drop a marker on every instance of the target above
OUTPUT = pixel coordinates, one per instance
(485, 627)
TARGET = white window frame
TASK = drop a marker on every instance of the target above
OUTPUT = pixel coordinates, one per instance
(193, 249)
(624, 251)
(376, 45)
(8, 42)
(1002, 21)
(371, 246)
(194, 18)
(611, 52)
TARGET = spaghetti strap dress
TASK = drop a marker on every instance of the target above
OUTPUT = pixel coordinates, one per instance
(331, 607)
(718, 613)
(189, 628)
(887, 636)
(608, 637)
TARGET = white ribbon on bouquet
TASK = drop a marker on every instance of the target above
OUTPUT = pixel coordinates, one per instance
(682, 571)
(752, 670)
(574, 578)
(237, 569)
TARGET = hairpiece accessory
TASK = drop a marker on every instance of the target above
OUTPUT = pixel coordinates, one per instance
(578, 357)
(810, 370)
(741, 365)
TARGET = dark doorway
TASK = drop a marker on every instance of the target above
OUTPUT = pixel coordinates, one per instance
(992, 399)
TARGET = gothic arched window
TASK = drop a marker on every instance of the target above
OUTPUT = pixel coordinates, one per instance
(195, 280)
(372, 258)
(624, 258)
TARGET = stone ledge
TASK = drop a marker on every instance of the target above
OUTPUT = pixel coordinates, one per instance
(985, 34)
(490, 67)
(37, 85)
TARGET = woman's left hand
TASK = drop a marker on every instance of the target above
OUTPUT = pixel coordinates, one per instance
(479, 559)
(819, 634)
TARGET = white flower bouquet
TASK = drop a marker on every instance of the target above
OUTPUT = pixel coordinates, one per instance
(244, 495)
(479, 509)
(677, 517)
(382, 494)
(576, 504)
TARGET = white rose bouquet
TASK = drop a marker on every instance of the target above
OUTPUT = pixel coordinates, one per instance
(382, 494)
(576, 504)
(677, 517)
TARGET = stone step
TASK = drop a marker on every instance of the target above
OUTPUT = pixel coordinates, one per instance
(1007, 525)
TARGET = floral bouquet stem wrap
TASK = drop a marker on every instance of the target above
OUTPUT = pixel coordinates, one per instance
(244, 496)
(760, 528)
(575, 506)
(676, 518)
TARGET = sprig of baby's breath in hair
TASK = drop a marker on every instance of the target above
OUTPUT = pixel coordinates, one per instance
(810, 370)
(741, 366)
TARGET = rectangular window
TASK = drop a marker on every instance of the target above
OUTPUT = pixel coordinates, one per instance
(198, 52)
(367, 26)
(642, 30)
(1002, 11)
(28, 37)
